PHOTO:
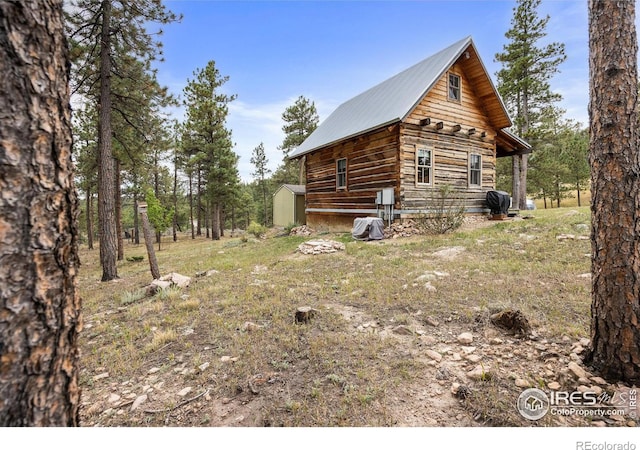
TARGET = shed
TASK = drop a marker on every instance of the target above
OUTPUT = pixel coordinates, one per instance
(289, 205)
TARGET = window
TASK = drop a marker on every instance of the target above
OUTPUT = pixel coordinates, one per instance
(454, 87)
(341, 173)
(475, 170)
(424, 166)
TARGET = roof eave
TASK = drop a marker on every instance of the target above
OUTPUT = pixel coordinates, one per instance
(293, 155)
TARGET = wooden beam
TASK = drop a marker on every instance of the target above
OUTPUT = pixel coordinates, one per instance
(439, 125)
(456, 128)
(471, 131)
(425, 122)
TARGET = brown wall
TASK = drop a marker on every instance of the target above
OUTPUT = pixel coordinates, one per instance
(372, 164)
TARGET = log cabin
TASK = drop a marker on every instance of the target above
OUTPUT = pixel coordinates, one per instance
(439, 122)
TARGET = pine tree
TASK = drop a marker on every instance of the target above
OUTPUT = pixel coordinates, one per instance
(208, 142)
(301, 119)
(106, 38)
(259, 161)
(523, 82)
(615, 217)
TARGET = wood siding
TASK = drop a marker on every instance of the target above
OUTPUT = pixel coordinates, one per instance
(451, 148)
(372, 164)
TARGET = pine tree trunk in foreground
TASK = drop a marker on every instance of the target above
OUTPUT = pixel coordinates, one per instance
(106, 194)
(39, 301)
(615, 205)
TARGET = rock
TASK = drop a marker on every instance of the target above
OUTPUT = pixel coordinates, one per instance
(175, 279)
(522, 383)
(600, 381)
(204, 366)
(596, 389)
(138, 401)
(456, 357)
(631, 423)
(319, 246)
(585, 342)
(153, 370)
(428, 340)
(465, 338)
(598, 423)
(101, 376)
(454, 388)
(495, 341)
(578, 371)
(474, 358)
(433, 355)
(554, 385)
(468, 350)
(562, 237)
(403, 330)
(227, 358)
(480, 373)
(429, 287)
(302, 230)
(449, 252)
(113, 398)
(431, 321)
(250, 326)
(184, 392)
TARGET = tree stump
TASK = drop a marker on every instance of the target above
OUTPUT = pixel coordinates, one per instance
(304, 314)
(512, 321)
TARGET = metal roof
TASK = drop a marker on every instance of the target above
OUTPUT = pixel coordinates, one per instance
(386, 103)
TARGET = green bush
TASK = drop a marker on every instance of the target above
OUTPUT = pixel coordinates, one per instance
(256, 229)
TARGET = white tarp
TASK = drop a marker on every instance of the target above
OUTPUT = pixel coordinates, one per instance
(368, 228)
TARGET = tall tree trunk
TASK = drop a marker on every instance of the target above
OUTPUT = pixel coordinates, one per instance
(615, 204)
(118, 208)
(264, 196)
(215, 221)
(199, 203)
(106, 194)
(89, 217)
(39, 301)
(578, 190)
(206, 218)
(522, 198)
(136, 222)
(193, 231)
(515, 181)
(175, 199)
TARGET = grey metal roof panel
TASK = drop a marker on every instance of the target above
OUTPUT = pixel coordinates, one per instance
(386, 103)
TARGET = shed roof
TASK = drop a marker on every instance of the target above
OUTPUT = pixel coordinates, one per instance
(298, 189)
(394, 99)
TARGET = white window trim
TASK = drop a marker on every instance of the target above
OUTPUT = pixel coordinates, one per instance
(478, 170)
(346, 166)
(430, 183)
(459, 99)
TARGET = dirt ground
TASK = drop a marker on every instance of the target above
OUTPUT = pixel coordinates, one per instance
(466, 372)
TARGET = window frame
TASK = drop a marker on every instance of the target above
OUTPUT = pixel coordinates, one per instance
(341, 175)
(429, 167)
(475, 170)
(457, 88)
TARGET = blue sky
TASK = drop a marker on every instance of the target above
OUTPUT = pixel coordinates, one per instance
(330, 51)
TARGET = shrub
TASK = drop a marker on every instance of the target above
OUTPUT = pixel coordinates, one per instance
(444, 212)
(256, 229)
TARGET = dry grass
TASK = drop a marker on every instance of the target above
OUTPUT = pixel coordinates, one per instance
(325, 373)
